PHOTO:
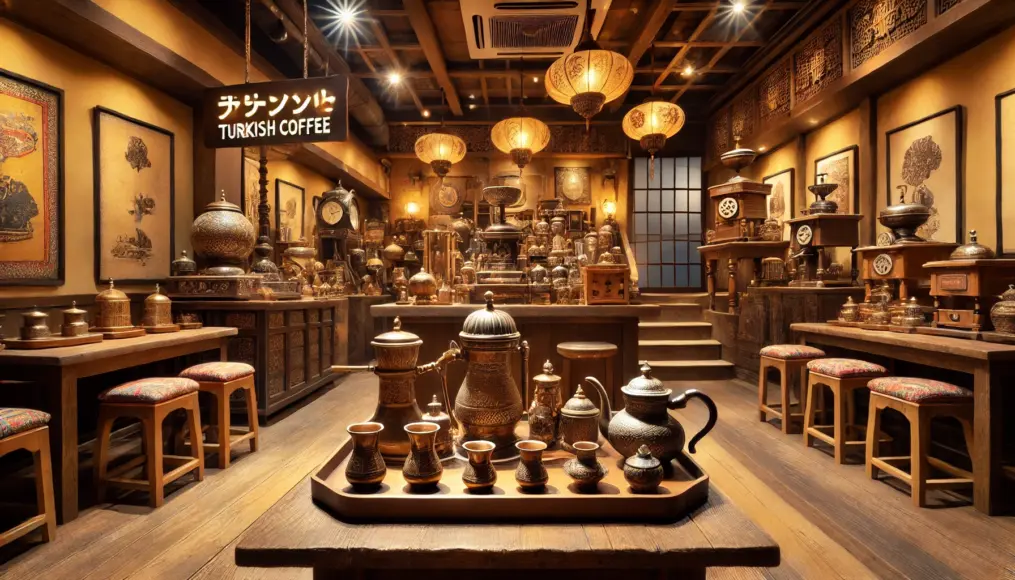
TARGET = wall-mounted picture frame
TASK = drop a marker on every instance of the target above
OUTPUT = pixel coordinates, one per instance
(290, 211)
(924, 165)
(841, 167)
(31, 182)
(1004, 129)
(780, 202)
(135, 198)
(573, 185)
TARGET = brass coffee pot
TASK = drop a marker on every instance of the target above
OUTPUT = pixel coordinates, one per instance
(645, 419)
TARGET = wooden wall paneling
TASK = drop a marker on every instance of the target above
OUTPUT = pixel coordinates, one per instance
(818, 62)
(774, 93)
(744, 114)
(875, 25)
(867, 170)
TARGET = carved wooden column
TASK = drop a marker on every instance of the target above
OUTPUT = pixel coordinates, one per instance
(710, 282)
(732, 286)
(263, 250)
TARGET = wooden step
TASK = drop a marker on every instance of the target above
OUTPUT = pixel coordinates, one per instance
(674, 330)
(700, 298)
(707, 349)
(692, 370)
(677, 313)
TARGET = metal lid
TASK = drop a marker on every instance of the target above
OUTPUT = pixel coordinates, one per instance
(35, 315)
(157, 297)
(184, 262)
(643, 459)
(111, 294)
(489, 324)
(973, 250)
(74, 310)
(1009, 294)
(547, 379)
(434, 408)
(397, 335)
(579, 405)
(646, 384)
(222, 204)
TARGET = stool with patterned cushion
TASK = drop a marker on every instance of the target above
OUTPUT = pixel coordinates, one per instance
(920, 400)
(150, 401)
(789, 360)
(221, 379)
(27, 429)
(842, 376)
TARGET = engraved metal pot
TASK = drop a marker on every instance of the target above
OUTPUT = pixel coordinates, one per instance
(585, 468)
(1002, 314)
(422, 469)
(643, 472)
(973, 250)
(396, 353)
(74, 323)
(904, 218)
(34, 325)
(544, 411)
(479, 474)
(850, 311)
(530, 473)
(366, 469)
(579, 421)
(224, 237)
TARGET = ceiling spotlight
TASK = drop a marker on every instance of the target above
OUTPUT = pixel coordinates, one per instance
(346, 17)
(426, 113)
(762, 148)
(535, 79)
(472, 96)
(738, 6)
(472, 106)
(688, 71)
(394, 78)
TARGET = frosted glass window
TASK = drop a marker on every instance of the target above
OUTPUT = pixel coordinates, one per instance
(640, 200)
(640, 172)
(665, 166)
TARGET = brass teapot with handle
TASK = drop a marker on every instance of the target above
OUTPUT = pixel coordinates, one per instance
(645, 419)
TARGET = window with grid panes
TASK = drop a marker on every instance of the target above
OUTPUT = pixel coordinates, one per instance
(665, 223)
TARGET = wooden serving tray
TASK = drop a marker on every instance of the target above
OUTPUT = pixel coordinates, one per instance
(118, 334)
(54, 341)
(683, 490)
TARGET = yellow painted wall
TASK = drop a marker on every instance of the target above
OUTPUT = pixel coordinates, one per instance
(971, 79)
(86, 84)
(313, 183)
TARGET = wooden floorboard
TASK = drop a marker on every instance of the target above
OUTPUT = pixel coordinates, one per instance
(830, 520)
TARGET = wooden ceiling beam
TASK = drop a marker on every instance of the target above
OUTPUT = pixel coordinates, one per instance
(702, 26)
(382, 39)
(644, 39)
(708, 44)
(483, 87)
(427, 36)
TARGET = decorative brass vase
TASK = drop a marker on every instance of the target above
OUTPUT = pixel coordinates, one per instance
(585, 469)
(643, 472)
(74, 323)
(479, 474)
(366, 469)
(850, 311)
(530, 473)
(579, 421)
(422, 469)
(545, 406)
(224, 237)
(396, 352)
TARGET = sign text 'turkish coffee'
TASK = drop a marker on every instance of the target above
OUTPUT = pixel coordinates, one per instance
(273, 113)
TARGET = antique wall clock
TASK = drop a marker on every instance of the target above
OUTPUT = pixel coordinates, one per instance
(338, 221)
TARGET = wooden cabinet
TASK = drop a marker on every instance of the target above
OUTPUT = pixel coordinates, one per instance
(290, 343)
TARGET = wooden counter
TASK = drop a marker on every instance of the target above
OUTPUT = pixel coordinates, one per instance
(542, 326)
(992, 367)
(291, 343)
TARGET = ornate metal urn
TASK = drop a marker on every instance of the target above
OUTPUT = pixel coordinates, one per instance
(397, 351)
(489, 404)
(224, 237)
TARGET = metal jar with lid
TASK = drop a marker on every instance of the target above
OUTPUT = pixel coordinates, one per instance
(74, 323)
(158, 311)
(579, 421)
(973, 250)
(545, 408)
(904, 218)
(183, 266)
(1002, 314)
(34, 325)
(224, 237)
(112, 310)
(396, 352)
(489, 404)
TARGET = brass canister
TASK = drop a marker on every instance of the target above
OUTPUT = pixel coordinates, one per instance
(34, 325)
(113, 310)
(1002, 314)
(850, 311)
(158, 310)
(579, 421)
(545, 408)
(74, 323)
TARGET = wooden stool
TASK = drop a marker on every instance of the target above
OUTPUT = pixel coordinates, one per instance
(789, 359)
(920, 400)
(26, 429)
(842, 376)
(584, 351)
(221, 379)
(150, 401)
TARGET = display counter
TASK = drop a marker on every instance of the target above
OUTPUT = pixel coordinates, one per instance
(363, 327)
(542, 326)
(291, 343)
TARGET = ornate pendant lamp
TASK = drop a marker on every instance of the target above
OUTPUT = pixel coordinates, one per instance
(440, 150)
(589, 77)
(651, 124)
(521, 136)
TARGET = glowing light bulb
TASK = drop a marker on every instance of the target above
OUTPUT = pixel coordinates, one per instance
(394, 78)
(535, 79)
(738, 7)
(426, 113)
(610, 208)
(688, 71)
(412, 208)
(472, 106)
(442, 151)
(346, 17)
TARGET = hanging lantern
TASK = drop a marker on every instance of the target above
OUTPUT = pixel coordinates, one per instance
(441, 151)
(588, 78)
(520, 137)
(651, 124)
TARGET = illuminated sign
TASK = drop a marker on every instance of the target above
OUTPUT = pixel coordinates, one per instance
(273, 113)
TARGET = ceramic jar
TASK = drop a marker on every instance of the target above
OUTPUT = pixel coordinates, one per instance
(366, 469)
(579, 421)
(422, 469)
(643, 472)
(544, 408)
(479, 474)
(1002, 314)
(435, 414)
(530, 473)
(584, 468)
(74, 323)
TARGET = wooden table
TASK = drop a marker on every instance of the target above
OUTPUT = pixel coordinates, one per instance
(993, 370)
(731, 254)
(57, 370)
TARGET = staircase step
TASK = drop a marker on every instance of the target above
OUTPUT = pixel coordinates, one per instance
(677, 313)
(685, 298)
(674, 330)
(679, 349)
(692, 370)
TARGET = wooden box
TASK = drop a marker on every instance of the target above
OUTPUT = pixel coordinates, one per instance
(606, 284)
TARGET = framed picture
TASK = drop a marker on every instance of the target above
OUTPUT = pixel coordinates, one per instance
(447, 195)
(290, 210)
(924, 160)
(31, 182)
(573, 185)
(842, 168)
(134, 198)
(250, 190)
(780, 203)
(1004, 119)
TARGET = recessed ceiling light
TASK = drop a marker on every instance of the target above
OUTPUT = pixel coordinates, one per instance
(472, 96)
(426, 113)
(535, 79)
(472, 106)
(688, 71)
(738, 6)
(394, 78)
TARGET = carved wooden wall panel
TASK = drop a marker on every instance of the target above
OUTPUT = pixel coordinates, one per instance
(563, 138)
(243, 349)
(720, 133)
(297, 368)
(241, 320)
(818, 62)
(946, 5)
(276, 364)
(744, 114)
(774, 93)
(875, 25)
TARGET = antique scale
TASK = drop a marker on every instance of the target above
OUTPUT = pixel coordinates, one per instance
(821, 228)
(338, 222)
(739, 205)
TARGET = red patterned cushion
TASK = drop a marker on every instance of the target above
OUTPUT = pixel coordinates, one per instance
(221, 372)
(845, 368)
(153, 390)
(14, 420)
(791, 351)
(919, 390)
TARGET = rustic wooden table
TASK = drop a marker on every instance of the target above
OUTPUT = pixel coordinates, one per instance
(57, 370)
(742, 262)
(991, 366)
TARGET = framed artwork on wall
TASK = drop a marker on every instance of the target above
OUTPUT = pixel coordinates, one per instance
(290, 210)
(842, 168)
(1004, 120)
(446, 195)
(780, 203)
(134, 198)
(924, 161)
(573, 185)
(31, 182)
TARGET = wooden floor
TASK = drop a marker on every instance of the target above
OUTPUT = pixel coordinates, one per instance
(831, 521)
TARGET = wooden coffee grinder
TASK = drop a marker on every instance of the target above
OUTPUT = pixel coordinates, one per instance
(821, 228)
(740, 204)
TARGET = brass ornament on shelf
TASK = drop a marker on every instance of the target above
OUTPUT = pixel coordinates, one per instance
(112, 310)
(34, 325)
(973, 250)
(1002, 314)
(74, 323)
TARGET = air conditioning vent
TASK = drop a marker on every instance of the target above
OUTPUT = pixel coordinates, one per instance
(535, 5)
(545, 31)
